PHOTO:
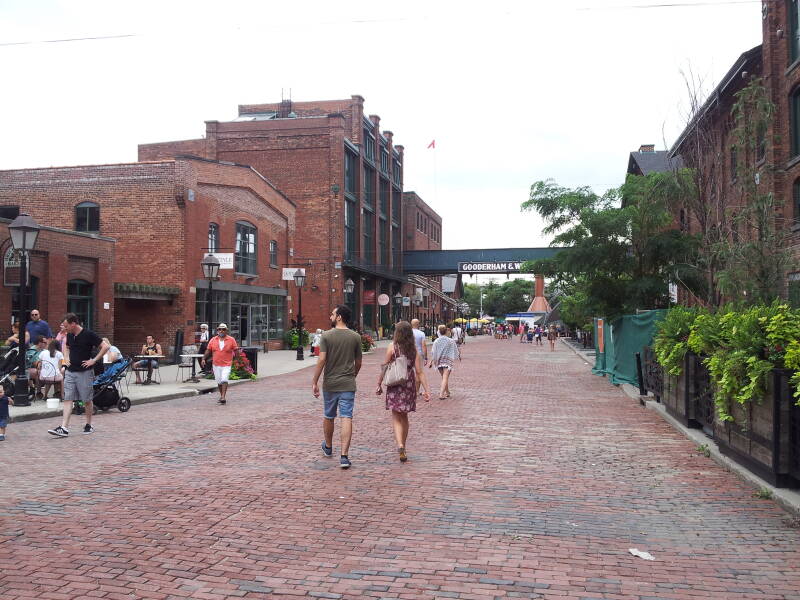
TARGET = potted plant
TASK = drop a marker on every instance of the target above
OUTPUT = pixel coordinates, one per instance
(367, 343)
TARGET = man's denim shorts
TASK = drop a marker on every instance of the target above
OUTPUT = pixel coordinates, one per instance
(341, 400)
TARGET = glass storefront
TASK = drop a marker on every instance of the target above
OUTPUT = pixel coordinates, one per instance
(251, 318)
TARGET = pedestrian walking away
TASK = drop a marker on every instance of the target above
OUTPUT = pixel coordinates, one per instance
(443, 355)
(221, 349)
(78, 359)
(204, 337)
(401, 398)
(340, 361)
(552, 334)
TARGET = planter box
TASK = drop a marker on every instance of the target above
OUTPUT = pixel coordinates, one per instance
(761, 437)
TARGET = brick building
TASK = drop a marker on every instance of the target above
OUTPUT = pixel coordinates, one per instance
(431, 301)
(154, 221)
(346, 177)
(70, 271)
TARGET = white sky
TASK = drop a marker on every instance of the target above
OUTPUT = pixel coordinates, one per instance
(512, 91)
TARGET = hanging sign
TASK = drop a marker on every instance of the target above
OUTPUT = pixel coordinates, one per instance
(383, 299)
(225, 259)
(490, 267)
(288, 274)
(369, 296)
(406, 301)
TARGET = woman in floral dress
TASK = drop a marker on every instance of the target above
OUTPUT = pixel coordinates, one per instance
(402, 399)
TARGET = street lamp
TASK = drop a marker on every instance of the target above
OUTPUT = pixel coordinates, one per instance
(210, 265)
(24, 231)
(398, 300)
(299, 281)
(349, 286)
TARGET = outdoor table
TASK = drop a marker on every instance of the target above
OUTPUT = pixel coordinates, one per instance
(193, 378)
(148, 357)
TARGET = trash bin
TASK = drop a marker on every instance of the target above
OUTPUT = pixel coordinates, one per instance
(251, 352)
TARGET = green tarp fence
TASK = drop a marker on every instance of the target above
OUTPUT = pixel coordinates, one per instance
(622, 339)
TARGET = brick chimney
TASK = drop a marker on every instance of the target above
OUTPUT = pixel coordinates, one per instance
(647, 148)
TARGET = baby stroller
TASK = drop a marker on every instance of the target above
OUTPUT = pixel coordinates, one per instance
(106, 389)
(8, 367)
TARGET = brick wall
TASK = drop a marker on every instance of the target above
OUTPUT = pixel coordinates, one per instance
(158, 214)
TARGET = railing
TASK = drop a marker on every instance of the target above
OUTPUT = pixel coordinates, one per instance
(652, 373)
(794, 429)
(701, 394)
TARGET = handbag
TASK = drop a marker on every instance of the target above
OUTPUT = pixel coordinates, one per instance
(396, 372)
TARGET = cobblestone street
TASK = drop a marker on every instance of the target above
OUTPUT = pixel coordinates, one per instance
(533, 481)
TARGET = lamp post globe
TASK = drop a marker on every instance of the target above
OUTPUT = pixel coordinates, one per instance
(299, 281)
(210, 266)
(349, 286)
(398, 300)
(24, 233)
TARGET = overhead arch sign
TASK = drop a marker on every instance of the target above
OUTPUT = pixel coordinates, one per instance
(490, 267)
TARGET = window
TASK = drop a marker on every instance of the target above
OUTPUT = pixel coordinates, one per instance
(795, 122)
(80, 300)
(369, 187)
(384, 159)
(383, 242)
(31, 297)
(349, 229)
(245, 257)
(384, 198)
(397, 173)
(368, 234)
(87, 217)
(273, 253)
(796, 201)
(369, 146)
(395, 246)
(396, 207)
(213, 237)
(350, 166)
(794, 31)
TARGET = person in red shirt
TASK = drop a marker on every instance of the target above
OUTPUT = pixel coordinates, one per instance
(222, 348)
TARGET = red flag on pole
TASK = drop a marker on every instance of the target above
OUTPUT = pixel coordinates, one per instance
(432, 144)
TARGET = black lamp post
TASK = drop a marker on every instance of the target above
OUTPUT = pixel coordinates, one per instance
(398, 300)
(210, 266)
(299, 281)
(24, 231)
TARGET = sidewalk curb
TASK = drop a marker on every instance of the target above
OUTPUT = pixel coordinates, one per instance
(787, 498)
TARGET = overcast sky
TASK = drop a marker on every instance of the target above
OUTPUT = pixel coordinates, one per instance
(512, 92)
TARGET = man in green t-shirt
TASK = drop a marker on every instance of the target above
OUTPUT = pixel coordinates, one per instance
(340, 357)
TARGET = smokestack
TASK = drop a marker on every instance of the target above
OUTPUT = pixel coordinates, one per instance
(540, 303)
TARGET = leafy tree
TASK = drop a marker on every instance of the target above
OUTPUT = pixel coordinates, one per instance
(620, 254)
(511, 296)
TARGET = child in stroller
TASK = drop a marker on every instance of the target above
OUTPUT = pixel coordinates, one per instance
(106, 389)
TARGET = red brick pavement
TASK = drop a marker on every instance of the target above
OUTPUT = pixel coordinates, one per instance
(533, 481)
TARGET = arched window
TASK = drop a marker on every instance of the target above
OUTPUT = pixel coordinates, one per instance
(87, 217)
(245, 257)
(273, 253)
(794, 31)
(80, 300)
(213, 237)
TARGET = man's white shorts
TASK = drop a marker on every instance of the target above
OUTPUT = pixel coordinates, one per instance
(221, 374)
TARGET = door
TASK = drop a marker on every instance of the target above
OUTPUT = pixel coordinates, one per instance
(239, 323)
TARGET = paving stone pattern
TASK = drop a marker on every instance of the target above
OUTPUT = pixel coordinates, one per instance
(532, 481)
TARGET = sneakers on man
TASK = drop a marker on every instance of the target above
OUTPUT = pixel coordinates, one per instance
(88, 428)
(59, 431)
(327, 450)
(344, 462)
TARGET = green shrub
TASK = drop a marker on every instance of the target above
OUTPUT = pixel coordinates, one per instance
(671, 341)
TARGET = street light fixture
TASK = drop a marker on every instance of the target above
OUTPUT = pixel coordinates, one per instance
(299, 281)
(398, 300)
(210, 265)
(24, 232)
(349, 286)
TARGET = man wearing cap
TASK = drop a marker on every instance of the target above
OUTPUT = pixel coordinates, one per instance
(223, 348)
